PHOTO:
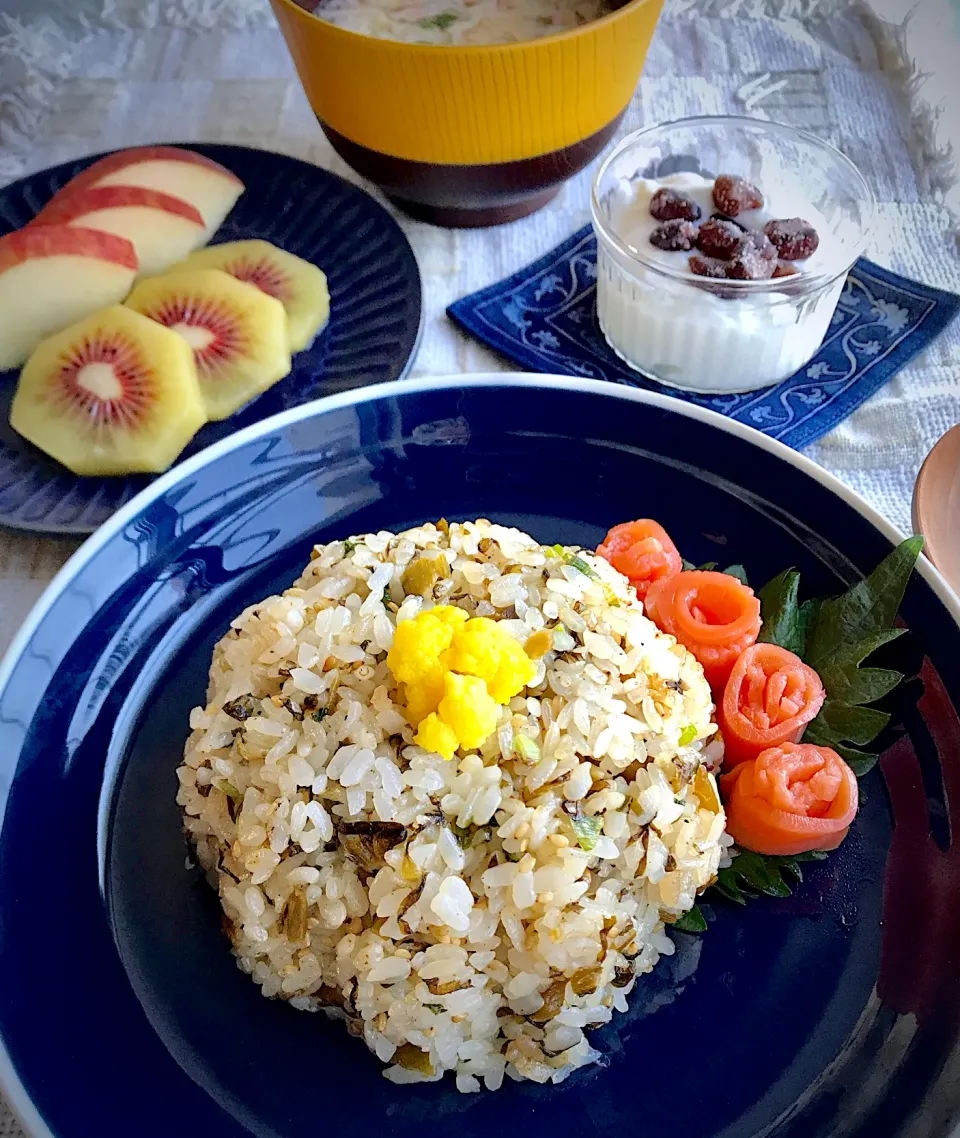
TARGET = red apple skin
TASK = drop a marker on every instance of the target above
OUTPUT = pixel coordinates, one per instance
(113, 162)
(65, 240)
(70, 207)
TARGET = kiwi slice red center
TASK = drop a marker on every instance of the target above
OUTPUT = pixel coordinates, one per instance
(216, 334)
(106, 381)
(266, 276)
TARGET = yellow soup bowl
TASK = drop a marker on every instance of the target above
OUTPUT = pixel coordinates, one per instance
(470, 135)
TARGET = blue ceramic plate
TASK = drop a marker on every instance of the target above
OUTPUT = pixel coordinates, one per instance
(375, 307)
(835, 1011)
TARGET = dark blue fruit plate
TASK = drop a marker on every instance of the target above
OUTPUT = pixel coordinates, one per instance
(375, 311)
(832, 1012)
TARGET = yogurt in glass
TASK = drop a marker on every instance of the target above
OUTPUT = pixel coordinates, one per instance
(715, 335)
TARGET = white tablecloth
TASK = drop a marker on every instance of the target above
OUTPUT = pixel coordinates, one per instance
(79, 78)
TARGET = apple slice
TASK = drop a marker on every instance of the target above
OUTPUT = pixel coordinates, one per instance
(163, 228)
(205, 184)
(53, 275)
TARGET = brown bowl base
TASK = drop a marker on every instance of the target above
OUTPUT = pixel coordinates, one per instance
(450, 217)
(463, 196)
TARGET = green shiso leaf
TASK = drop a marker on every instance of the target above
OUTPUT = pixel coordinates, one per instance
(692, 922)
(752, 874)
(835, 637)
(846, 631)
(737, 571)
(785, 620)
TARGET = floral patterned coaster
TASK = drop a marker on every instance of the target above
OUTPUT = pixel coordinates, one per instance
(544, 318)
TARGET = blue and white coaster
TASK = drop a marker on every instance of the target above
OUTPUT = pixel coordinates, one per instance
(544, 318)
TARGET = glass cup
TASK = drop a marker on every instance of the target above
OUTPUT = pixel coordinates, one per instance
(694, 332)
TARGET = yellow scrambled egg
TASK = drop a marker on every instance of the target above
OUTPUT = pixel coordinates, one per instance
(456, 673)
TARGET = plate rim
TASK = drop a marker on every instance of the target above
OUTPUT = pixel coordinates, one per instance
(84, 531)
(13, 1090)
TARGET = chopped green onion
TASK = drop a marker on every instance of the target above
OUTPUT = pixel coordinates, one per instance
(562, 640)
(575, 561)
(441, 21)
(581, 566)
(321, 714)
(528, 750)
(587, 829)
(572, 559)
(230, 790)
(687, 735)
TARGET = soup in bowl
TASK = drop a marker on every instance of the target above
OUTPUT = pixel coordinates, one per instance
(461, 22)
(468, 114)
